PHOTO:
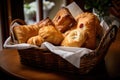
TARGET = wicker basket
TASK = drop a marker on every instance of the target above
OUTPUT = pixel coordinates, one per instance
(38, 58)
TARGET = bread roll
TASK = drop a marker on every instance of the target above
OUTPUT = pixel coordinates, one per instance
(35, 40)
(51, 34)
(63, 20)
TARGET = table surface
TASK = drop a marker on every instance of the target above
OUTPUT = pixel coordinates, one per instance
(10, 63)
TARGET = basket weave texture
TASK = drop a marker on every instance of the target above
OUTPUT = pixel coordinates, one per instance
(37, 58)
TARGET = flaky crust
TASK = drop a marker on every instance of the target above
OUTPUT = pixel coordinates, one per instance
(79, 32)
(90, 20)
(51, 34)
(76, 38)
(45, 22)
(90, 24)
(63, 20)
(35, 40)
(24, 32)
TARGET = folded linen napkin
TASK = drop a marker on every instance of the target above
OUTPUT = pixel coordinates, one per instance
(71, 54)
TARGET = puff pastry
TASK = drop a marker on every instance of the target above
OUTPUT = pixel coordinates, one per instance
(35, 40)
(63, 20)
(45, 22)
(51, 34)
(69, 30)
(76, 38)
(90, 24)
(23, 32)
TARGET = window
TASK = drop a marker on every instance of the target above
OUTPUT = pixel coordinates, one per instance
(49, 7)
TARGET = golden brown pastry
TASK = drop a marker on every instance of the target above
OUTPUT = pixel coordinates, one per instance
(23, 32)
(45, 22)
(90, 24)
(76, 38)
(51, 34)
(68, 31)
(63, 20)
(89, 19)
(35, 40)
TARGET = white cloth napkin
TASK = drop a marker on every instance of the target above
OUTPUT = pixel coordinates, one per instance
(71, 54)
(74, 9)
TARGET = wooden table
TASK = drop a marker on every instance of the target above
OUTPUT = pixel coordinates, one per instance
(10, 63)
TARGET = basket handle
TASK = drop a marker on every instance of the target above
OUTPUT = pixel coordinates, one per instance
(106, 40)
(20, 22)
